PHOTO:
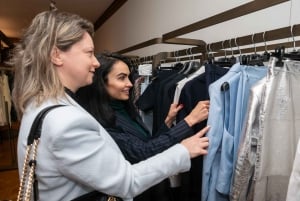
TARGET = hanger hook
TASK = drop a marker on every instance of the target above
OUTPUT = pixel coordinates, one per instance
(211, 52)
(235, 40)
(187, 51)
(174, 55)
(294, 42)
(192, 55)
(266, 48)
(207, 50)
(253, 43)
(230, 47)
(52, 6)
(224, 48)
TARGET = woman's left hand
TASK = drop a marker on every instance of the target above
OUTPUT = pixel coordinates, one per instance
(174, 109)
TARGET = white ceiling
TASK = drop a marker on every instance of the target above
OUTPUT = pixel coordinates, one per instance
(15, 15)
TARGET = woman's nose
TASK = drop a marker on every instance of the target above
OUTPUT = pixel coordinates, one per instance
(129, 84)
(96, 63)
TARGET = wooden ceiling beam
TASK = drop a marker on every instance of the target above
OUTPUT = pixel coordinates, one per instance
(112, 9)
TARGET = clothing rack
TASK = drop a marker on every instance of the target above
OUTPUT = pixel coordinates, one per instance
(9, 131)
(228, 47)
(12, 144)
(221, 47)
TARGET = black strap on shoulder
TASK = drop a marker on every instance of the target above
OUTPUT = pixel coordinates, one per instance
(36, 128)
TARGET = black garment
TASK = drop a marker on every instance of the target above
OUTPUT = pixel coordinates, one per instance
(191, 182)
(165, 98)
(71, 94)
(150, 99)
(159, 192)
(193, 91)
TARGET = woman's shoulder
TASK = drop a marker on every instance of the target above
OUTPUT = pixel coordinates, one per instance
(71, 114)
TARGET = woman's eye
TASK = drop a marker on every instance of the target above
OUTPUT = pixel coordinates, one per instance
(90, 53)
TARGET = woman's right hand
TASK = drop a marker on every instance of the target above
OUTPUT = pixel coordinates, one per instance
(198, 114)
(197, 144)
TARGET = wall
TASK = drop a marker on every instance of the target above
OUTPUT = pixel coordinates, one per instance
(140, 20)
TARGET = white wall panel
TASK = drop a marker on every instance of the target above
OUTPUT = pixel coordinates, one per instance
(140, 20)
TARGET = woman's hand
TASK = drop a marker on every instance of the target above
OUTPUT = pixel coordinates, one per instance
(174, 109)
(198, 114)
(197, 144)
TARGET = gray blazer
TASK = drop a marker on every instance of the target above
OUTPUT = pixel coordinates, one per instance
(76, 155)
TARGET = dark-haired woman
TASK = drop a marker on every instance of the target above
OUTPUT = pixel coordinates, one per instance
(110, 100)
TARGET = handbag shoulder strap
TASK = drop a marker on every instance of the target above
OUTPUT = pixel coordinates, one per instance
(36, 128)
(25, 192)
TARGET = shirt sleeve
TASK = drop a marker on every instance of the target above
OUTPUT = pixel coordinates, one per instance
(84, 153)
(136, 149)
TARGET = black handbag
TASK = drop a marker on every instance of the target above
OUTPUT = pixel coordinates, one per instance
(28, 173)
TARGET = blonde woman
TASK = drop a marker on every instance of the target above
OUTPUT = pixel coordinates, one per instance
(75, 154)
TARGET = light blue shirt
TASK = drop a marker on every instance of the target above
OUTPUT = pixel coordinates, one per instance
(226, 116)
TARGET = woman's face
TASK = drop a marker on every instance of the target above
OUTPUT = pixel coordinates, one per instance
(118, 83)
(77, 65)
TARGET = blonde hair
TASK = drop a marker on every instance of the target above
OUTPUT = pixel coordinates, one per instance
(35, 75)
